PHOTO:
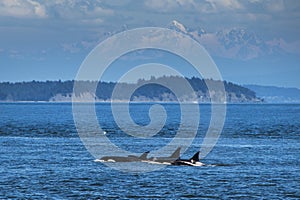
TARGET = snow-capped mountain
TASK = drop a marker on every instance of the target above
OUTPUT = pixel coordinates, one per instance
(177, 26)
(231, 43)
(194, 33)
(242, 43)
(237, 43)
(238, 36)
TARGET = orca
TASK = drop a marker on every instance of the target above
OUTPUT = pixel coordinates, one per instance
(193, 161)
(142, 158)
(165, 160)
(174, 159)
(129, 158)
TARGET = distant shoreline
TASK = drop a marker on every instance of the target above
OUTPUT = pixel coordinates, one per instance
(142, 91)
(146, 92)
(147, 102)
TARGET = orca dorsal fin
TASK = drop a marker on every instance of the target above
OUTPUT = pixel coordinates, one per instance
(144, 155)
(195, 157)
(176, 153)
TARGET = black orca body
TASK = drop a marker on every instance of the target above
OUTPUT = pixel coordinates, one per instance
(142, 158)
(130, 158)
(194, 161)
(165, 160)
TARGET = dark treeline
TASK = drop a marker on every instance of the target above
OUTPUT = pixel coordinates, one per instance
(44, 91)
(34, 90)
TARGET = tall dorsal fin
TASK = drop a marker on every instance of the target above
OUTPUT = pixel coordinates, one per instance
(195, 157)
(144, 155)
(176, 153)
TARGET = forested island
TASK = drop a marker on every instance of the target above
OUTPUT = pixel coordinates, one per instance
(62, 91)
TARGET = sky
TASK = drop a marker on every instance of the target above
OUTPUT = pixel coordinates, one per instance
(251, 41)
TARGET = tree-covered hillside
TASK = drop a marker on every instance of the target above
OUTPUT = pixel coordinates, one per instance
(146, 90)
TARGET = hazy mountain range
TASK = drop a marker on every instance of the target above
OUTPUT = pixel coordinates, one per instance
(272, 94)
(236, 42)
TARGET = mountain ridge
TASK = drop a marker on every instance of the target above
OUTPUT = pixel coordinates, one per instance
(275, 94)
(235, 42)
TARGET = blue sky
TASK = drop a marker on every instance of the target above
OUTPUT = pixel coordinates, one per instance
(251, 41)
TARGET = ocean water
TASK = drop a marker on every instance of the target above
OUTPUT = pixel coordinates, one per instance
(256, 157)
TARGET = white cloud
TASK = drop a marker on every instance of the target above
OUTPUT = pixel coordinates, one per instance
(71, 48)
(39, 10)
(99, 11)
(207, 6)
(275, 5)
(170, 5)
(88, 44)
(63, 8)
(219, 5)
(79, 46)
(69, 9)
(22, 8)
(270, 5)
(95, 21)
(255, 17)
(15, 54)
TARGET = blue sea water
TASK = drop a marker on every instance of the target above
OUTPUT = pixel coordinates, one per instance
(257, 155)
